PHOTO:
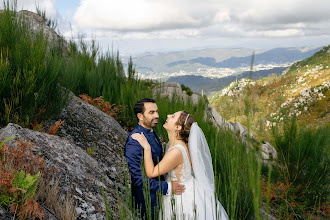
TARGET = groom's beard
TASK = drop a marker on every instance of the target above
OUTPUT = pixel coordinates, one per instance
(152, 123)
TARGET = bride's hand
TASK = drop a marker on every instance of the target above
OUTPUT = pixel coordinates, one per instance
(142, 140)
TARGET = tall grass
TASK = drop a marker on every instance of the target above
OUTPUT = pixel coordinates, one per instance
(29, 70)
(304, 165)
(87, 71)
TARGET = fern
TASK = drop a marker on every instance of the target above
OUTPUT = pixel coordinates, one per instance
(20, 171)
(27, 184)
(6, 140)
(6, 199)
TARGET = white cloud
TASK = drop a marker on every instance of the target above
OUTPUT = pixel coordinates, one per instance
(211, 18)
(48, 5)
(137, 15)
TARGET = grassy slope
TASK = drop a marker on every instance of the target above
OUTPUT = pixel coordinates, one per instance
(267, 96)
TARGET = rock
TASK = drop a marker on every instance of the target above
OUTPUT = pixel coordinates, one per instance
(195, 98)
(246, 134)
(268, 151)
(271, 212)
(173, 88)
(4, 214)
(239, 129)
(38, 24)
(170, 89)
(88, 127)
(80, 174)
(218, 120)
(76, 169)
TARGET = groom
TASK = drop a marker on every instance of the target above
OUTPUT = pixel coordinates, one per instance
(146, 111)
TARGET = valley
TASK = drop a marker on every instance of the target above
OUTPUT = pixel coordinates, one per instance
(211, 70)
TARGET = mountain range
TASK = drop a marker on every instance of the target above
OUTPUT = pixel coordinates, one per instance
(273, 56)
(213, 69)
(213, 85)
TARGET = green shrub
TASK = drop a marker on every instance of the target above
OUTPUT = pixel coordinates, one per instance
(187, 89)
(29, 71)
(89, 72)
(304, 163)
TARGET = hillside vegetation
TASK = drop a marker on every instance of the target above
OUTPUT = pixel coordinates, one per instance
(302, 90)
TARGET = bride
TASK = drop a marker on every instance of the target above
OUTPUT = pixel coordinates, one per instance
(188, 160)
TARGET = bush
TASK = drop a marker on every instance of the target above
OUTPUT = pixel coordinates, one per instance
(187, 89)
(304, 165)
(29, 71)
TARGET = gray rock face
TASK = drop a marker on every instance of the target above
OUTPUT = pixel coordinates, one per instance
(268, 151)
(79, 174)
(76, 169)
(217, 118)
(38, 24)
(4, 214)
(173, 88)
(88, 127)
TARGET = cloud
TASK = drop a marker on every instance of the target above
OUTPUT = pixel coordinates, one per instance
(280, 18)
(139, 15)
(48, 5)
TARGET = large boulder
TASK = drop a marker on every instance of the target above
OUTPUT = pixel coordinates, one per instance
(88, 127)
(37, 24)
(80, 174)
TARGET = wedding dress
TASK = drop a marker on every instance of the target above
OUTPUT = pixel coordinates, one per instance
(197, 202)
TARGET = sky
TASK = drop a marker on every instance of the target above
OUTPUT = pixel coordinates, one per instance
(137, 26)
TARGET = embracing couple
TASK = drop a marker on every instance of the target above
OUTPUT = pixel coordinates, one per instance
(188, 186)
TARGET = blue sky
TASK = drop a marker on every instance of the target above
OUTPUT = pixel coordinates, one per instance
(66, 8)
(136, 26)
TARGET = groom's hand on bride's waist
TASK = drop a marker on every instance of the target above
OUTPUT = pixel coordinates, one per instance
(177, 188)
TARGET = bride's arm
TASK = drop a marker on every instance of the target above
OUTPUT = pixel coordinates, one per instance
(171, 159)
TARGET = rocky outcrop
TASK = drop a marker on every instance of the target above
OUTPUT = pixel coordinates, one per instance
(172, 89)
(268, 152)
(37, 24)
(88, 127)
(80, 174)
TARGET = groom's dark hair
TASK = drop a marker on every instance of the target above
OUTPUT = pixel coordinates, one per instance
(139, 105)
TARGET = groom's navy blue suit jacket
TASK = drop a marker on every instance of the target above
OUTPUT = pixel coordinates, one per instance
(133, 155)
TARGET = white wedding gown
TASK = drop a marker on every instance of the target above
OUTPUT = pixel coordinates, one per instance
(194, 203)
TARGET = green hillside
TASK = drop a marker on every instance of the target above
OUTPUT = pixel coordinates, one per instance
(302, 90)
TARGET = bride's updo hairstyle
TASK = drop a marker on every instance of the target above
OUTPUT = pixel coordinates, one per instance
(185, 121)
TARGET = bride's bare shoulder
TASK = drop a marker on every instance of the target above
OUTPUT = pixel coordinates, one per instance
(174, 148)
